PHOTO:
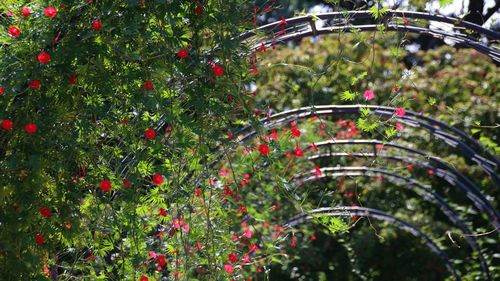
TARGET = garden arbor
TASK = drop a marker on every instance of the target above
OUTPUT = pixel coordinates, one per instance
(403, 152)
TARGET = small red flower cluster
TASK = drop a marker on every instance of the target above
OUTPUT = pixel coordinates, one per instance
(14, 31)
(105, 185)
(96, 25)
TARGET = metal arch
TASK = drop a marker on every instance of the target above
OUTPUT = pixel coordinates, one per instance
(420, 189)
(380, 215)
(367, 15)
(493, 54)
(470, 190)
(467, 148)
(305, 26)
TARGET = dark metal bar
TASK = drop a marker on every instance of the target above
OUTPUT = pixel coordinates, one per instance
(380, 215)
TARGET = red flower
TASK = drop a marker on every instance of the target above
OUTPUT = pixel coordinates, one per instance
(39, 239)
(263, 149)
(72, 79)
(150, 134)
(160, 259)
(295, 132)
(14, 31)
(162, 212)
(7, 124)
(45, 212)
(1, 90)
(229, 268)
(35, 85)
(105, 185)
(126, 183)
(233, 257)
(183, 53)
(218, 70)
(157, 179)
(317, 170)
(298, 151)
(144, 278)
(96, 25)
(400, 112)
(44, 57)
(30, 128)
(198, 11)
(148, 85)
(26, 12)
(50, 12)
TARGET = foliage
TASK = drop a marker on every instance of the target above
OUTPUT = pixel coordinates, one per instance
(120, 155)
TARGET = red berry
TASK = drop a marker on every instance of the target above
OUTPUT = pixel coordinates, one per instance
(157, 179)
(144, 278)
(30, 128)
(72, 79)
(148, 85)
(44, 57)
(45, 212)
(150, 134)
(26, 12)
(105, 185)
(39, 239)
(14, 31)
(218, 70)
(35, 84)
(7, 124)
(50, 12)
(183, 53)
(263, 149)
(96, 25)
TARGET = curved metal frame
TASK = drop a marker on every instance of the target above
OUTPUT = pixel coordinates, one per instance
(420, 189)
(305, 26)
(488, 164)
(380, 215)
(449, 175)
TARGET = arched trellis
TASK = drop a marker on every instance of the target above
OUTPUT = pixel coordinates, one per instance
(420, 189)
(462, 144)
(380, 215)
(305, 26)
(449, 174)
(300, 27)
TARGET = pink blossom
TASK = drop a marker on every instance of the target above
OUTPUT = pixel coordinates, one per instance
(229, 268)
(246, 259)
(399, 126)
(400, 112)
(247, 233)
(369, 95)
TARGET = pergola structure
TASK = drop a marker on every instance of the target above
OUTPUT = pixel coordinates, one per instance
(461, 33)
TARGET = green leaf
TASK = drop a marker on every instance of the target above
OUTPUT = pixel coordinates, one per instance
(348, 95)
(378, 13)
(365, 111)
(332, 224)
(431, 100)
(443, 3)
(365, 125)
(390, 132)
